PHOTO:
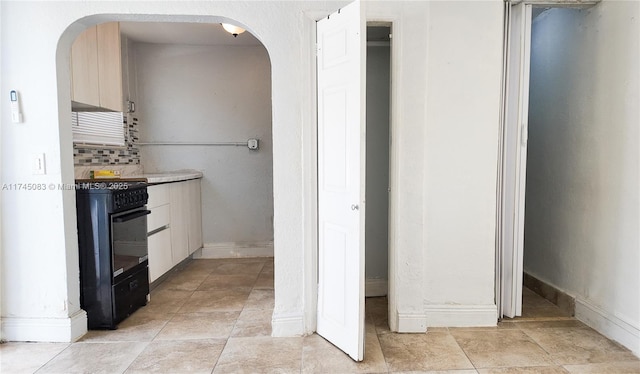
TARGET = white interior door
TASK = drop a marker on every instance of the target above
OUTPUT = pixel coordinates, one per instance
(515, 159)
(341, 142)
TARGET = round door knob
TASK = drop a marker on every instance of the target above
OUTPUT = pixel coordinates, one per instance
(354, 207)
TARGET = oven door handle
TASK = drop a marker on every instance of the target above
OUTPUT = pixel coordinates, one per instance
(130, 216)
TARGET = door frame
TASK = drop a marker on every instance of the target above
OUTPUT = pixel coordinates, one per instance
(392, 249)
(512, 158)
(509, 259)
(63, 48)
(311, 172)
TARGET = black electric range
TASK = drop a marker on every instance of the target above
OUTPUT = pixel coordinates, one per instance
(112, 244)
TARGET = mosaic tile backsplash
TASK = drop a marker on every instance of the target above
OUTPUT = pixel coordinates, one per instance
(84, 155)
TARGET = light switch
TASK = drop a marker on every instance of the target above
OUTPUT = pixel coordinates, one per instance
(38, 164)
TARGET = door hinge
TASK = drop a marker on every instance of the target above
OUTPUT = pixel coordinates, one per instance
(524, 133)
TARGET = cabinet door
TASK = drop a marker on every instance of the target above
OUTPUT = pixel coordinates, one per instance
(160, 257)
(109, 66)
(179, 221)
(84, 68)
(195, 215)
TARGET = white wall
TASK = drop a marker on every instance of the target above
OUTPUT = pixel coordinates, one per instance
(445, 134)
(1, 241)
(446, 78)
(460, 157)
(212, 94)
(582, 202)
(42, 302)
(377, 195)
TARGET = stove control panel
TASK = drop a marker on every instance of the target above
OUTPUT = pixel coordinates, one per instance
(130, 198)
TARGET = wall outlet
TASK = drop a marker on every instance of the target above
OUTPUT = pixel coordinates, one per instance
(38, 165)
(252, 143)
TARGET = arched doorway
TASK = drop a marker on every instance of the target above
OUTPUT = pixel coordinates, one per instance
(208, 73)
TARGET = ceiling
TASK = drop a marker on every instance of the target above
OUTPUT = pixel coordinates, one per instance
(184, 33)
(206, 33)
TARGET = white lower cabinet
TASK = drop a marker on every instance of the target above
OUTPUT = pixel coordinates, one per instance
(159, 218)
(194, 210)
(158, 195)
(160, 260)
(179, 221)
(174, 227)
(159, 231)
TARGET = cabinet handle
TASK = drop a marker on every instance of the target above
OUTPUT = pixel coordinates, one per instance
(161, 228)
(131, 216)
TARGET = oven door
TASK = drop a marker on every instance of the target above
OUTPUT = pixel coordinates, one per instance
(129, 241)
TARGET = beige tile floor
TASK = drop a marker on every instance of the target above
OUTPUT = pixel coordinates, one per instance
(214, 316)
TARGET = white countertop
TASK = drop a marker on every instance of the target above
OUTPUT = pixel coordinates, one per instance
(169, 176)
(135, 172)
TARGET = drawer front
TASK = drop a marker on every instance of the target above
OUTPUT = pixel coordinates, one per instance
(158, 195)
(130, 294)
(160, 260)
(160, 216)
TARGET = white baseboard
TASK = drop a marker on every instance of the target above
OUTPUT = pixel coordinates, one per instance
(235, 249)
(408, 322)
(374, 287)
(286, 325)
(461, 315)
(59, 330)
(609, 325)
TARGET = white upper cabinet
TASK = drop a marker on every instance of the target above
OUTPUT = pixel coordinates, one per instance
(96, 68)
